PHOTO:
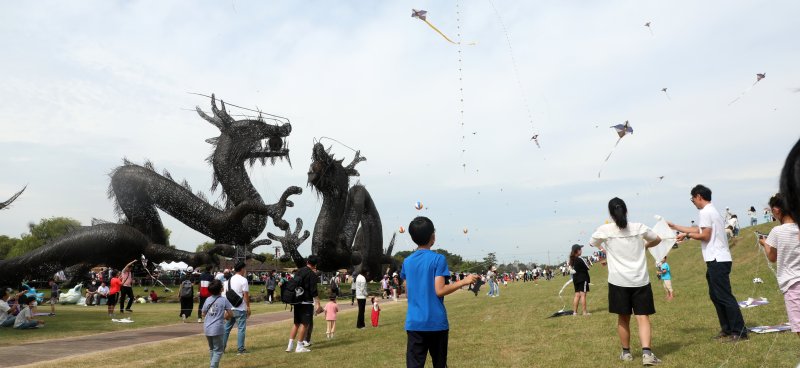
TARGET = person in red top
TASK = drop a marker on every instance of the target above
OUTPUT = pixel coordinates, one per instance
(205, 280)
(113, 292)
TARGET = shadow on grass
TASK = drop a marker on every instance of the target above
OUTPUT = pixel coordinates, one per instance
(667, 349)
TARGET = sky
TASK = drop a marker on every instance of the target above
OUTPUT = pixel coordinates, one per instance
(88, 83)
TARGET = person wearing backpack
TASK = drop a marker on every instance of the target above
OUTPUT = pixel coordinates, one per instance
(237, 291)
(186, 295)
(215, 310)
(301, 291)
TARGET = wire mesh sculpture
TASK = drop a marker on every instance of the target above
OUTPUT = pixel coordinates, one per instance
(139, 191)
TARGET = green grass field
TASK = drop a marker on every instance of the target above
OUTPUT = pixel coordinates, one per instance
(513, 331)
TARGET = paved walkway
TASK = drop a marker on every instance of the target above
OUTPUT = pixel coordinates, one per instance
(42, 351)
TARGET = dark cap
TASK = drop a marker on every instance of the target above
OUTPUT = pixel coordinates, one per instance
(576, 247)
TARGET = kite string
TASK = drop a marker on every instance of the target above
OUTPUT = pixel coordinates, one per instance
(243, 108)
(514, 65)
(460, 82)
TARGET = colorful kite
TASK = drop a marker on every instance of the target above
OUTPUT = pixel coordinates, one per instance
(418, 205)
(423, 16)
(759, 77)
(402, 230)
(622, 130)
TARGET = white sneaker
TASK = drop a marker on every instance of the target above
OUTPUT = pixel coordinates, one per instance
(302, 349)
(199, 320)
(290, 347)
(183, 318)
(306, 343)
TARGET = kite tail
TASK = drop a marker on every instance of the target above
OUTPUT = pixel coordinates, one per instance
(742, 94)
(668, 98)
(564, 304)
(445, 36)
(440, 32)
(607, 157)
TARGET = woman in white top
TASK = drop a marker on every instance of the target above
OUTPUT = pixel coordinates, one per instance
(783, 246)
(629, 289)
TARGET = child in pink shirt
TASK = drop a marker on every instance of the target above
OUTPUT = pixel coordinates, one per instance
(330, 316)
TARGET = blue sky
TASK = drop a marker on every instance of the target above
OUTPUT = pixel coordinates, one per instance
(88, 83)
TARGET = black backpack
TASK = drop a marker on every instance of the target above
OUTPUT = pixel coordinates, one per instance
(187, 289)
(292, 292)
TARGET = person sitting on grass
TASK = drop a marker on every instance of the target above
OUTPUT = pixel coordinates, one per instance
(215, 309)
(782, 245)
(154, 296)
(91, 291)
(628, 281)
(426, 324)
(6, 319)
(25, 319)
(102, 293)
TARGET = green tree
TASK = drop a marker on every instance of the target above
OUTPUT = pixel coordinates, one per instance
(402, 255)
(205, 247)
(46, 230)
(6, 244)
(453, 260)
(490, 259)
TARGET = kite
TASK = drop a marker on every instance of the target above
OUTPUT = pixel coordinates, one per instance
(144, 264)
(666, 93)
(418, 205)
(759, 77)
(423, 16)
(563, 311)
(535, 139)
(402, 230)
(465, 231)
(648, 27)
(661, 177)
(768, 329)
(476, 287)
(753, 302)
(622, 130)
(668, 239)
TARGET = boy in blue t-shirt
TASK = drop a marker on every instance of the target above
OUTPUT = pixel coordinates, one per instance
(424, 273)
(666, 277)
(215, 311)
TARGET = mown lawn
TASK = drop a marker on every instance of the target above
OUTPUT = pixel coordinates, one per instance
(513, 331)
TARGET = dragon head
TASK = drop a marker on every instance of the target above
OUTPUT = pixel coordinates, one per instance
(247, 140)
(326, 174)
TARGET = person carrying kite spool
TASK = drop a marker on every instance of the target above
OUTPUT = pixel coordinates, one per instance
(423, 16)
(622, 130)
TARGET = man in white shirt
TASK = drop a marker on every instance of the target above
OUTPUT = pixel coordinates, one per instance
(361, 297)
(238, 283)
(102, 293)
(714, 244)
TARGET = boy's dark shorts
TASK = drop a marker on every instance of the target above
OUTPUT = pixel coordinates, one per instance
(623, 300)
(303, 313)
(112, 299)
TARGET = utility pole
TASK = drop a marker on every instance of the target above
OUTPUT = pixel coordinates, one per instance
(277, 255)
(548, 257)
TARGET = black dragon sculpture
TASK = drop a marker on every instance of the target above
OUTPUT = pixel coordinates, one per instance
(6, 204)
(348, 232)
(139, 191)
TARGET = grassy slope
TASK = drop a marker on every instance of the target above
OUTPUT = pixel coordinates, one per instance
(512, 331)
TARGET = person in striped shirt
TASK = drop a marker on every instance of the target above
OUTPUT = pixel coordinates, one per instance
(782, 245)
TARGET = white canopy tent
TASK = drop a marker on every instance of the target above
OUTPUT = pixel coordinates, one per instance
(173, 266)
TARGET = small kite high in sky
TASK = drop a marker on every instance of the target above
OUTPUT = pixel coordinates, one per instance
(402, 230)
(418, 205)
(622, 130)
(759, 77)
(423, 16)
(666, 93)
(648, 27)
(535, 139)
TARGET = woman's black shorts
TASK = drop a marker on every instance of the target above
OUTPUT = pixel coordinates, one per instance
(581, 286)
(624, 300)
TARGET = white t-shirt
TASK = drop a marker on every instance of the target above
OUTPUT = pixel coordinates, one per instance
(717, 247)
(627, 264)
(785, 239)
(4, 308)
(239, 286)
(23, 316)
(361, 287)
